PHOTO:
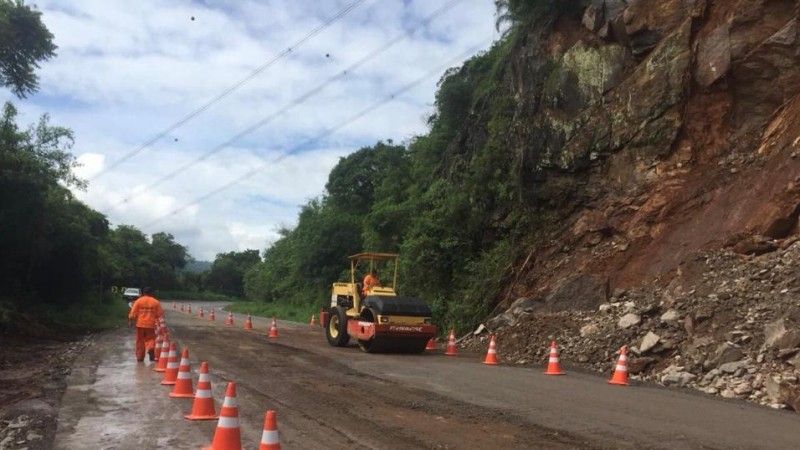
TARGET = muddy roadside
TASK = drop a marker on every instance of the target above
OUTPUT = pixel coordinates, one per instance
(33, 372)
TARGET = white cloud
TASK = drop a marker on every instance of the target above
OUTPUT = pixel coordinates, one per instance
(126, 70)
(90, 164)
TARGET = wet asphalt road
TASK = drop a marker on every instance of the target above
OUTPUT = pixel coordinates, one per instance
(342, 398)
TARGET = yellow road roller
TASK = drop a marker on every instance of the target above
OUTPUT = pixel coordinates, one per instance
(373, 313)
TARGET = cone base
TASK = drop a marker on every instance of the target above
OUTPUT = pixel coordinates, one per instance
(490, 363)
(191, 417)
(555, 373)
(173, 395)
(273, 337)
(168, 383)
(450, 353)
(159, 370)
(618, 383)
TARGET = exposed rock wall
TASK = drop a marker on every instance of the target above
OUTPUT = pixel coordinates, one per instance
(662, 133)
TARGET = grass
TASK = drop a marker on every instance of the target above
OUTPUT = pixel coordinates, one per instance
(283, 311)
(199, 296)
(37, 318)
(92, 315)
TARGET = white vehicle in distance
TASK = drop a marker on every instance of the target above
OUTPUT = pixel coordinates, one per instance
(130, 295)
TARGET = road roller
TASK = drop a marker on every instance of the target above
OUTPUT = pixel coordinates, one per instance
(373, 314)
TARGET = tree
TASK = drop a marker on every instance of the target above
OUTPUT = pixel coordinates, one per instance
(228, 270)
(50, 242)
(24, 42)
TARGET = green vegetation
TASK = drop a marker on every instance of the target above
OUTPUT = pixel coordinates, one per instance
(24, 42)
(455, 202)
(60, 257)
(284, 311)
(205, 296)
(458, 203)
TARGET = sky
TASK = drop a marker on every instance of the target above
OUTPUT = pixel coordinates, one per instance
(126, 71)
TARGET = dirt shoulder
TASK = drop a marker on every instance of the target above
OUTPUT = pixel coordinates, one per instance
(33, 375)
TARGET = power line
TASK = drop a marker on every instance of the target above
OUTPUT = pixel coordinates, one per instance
(389, 98)
(295, 102)
(288, 50)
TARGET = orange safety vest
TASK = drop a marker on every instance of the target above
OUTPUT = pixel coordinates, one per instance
(369, 282)
(146, 310)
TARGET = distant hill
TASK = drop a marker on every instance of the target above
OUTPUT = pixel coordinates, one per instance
(197, 266)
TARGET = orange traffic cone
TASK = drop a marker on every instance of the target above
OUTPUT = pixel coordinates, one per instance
(157, 346)
(248, 324)
(491, 355)
(163, 357)
(171, 372)
(182, 308)
(451, 344)
(269, 437)
(203, 405)
(620, 376)
(313, 320)
(229, 320)
(183, 382)
(553, 364)
(227, 435)
(200, 314)
(211, 316)
(189, 309)
(273, 329)
(431, 344)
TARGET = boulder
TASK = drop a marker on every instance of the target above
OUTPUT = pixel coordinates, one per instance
(733, 367)
(670, 316)
(726, 353)
(755, 245)
(743, 388)
(677, 377)
(521, 306)
(593, 16)
(589, 329)
(500, 321)
(629, 320)
(581, 292)
(713, 56)
(649, 341)
(638, 365)
(777, 335)
(782, 392)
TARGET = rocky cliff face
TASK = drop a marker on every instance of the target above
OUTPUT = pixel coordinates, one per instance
(658, 132)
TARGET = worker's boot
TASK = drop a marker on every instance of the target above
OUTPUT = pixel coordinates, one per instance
(152, 354)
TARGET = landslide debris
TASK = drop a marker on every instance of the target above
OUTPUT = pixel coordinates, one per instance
(728, 324)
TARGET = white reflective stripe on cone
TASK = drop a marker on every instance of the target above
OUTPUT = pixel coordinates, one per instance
(621, 368)
(230, 402)
(269, 437)
(184, 361)
(553, 360)
(184, 375)
(228, 422)
(203, 377)
(172, 365)
(203, 393)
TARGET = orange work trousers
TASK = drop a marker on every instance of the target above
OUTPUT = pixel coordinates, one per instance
(145, 341)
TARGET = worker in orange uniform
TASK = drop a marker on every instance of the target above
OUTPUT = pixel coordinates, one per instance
(370, 281)
(146, 310)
